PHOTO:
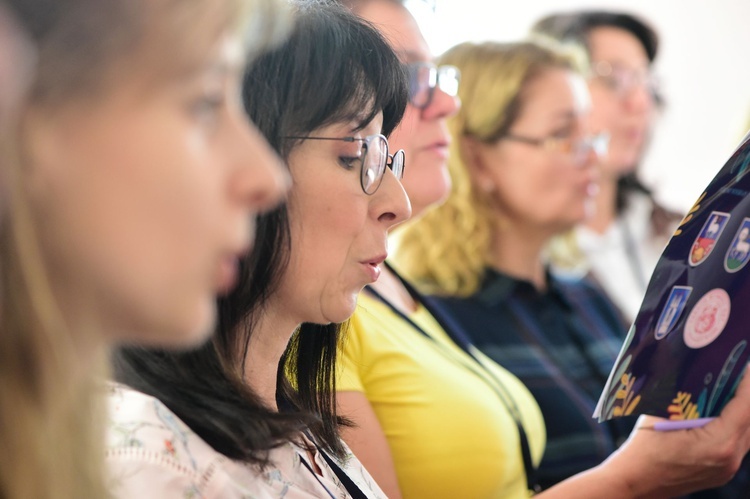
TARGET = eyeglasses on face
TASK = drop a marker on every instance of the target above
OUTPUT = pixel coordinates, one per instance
(424, 77)
(622, 81)
(575, 148)
(373, 159)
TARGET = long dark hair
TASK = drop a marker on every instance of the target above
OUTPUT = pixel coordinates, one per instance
(333, 68)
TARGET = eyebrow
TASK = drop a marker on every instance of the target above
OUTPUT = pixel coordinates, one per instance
(617, 62)
(567, 113)
(221, 69)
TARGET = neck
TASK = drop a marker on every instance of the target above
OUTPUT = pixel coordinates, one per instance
(389, 286)
(516, 250)
(82, 332)
(605, 206)
(269, 340)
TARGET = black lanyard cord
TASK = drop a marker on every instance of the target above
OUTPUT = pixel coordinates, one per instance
(483, 373)
(352, 489)
(309, 467)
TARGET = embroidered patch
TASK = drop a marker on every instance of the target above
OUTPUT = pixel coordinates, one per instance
(672, 310)
(707, 237)
(707, 319)
(739, 251)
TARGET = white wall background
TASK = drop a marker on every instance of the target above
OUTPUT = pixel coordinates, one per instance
(703, 64)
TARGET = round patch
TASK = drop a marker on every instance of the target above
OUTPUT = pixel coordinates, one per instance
(707, 319)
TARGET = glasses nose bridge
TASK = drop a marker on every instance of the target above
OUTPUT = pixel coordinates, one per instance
(426, 79)
(396, 163)
(637, 82)
(596, 144)
(447, 79)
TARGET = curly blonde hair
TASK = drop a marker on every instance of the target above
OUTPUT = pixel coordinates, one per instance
(447, 250)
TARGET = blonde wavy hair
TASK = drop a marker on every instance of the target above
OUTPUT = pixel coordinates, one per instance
(447, 250)
(51, 397)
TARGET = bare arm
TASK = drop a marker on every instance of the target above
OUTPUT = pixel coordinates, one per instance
(655, 464)
(367, 440)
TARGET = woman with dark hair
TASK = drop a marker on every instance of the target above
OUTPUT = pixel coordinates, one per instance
(253, 411)
(620, 244)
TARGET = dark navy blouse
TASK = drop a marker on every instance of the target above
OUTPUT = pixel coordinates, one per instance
(562, 343)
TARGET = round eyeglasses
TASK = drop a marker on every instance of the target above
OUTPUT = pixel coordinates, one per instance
(424, 77)
(576, 148)
(373, 159)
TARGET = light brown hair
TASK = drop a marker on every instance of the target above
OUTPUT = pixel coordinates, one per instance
(447, 250)
(50, 375)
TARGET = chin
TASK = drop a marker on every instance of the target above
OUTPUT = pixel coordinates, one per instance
(183, 334)
(428, 199)
(623, 164)
(342, 311)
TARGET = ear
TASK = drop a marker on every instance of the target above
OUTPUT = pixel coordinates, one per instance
(475, 157)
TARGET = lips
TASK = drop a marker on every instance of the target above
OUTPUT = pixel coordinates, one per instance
(227, 273)
(372, 266)
(228, 267)
(439, 147)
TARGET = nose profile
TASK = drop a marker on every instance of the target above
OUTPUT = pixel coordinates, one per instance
(638, 99)
(390, 204)
(443, 105)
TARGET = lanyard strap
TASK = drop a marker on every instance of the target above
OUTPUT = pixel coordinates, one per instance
(497, 386)
(351, 488)
(309, 467)
(347, 482)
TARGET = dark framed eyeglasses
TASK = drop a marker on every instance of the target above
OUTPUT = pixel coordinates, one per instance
(424, 77)
(373, 159)
(575, 148)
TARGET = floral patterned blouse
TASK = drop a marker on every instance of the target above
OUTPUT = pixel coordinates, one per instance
(152, 454)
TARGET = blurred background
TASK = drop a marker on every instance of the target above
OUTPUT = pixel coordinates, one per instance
(703, 67)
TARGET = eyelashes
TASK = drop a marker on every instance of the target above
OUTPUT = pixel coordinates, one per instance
(349, 162)
(207, 105)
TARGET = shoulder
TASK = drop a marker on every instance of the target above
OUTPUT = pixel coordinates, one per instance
(356, 471)
(140, 423)
(149, 450)
(585, 294)
(591, 302)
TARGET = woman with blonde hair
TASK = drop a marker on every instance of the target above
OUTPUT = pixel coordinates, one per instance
(522, 165)
(136, 175)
